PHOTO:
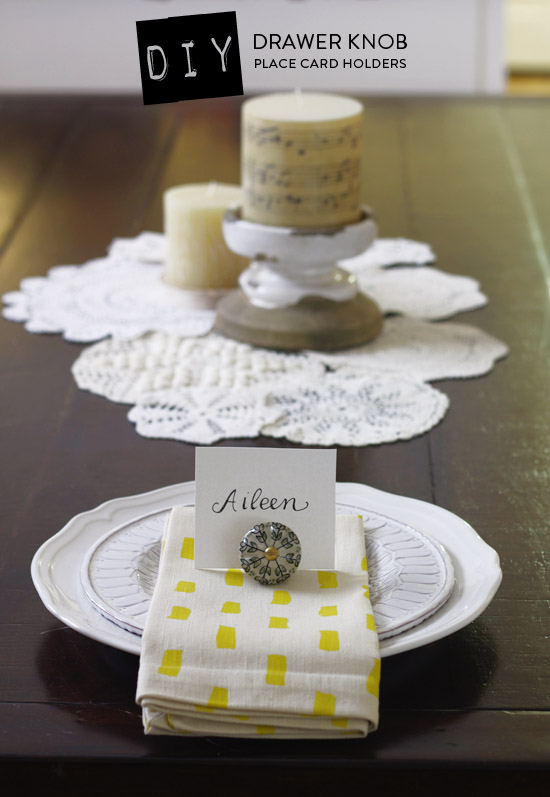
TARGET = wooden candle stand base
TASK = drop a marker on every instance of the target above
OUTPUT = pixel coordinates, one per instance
(294, 295)
(313, 323)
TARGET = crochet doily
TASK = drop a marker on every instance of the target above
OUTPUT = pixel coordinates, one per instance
(200, 390)
(123, 294)
(157, 353)
(202, 415)
(123, 370)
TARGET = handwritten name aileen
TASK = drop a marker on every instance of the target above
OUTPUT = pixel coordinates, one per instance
(258, 501)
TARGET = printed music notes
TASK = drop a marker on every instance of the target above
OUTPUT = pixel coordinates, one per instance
(301, 160)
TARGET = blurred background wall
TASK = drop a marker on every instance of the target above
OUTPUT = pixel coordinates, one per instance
(527, 25)
(454, 46)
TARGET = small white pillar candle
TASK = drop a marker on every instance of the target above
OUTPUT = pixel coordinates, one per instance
(198, 257)
(301, 159)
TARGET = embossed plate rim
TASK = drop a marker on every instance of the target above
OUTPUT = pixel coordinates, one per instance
(56, 565)
(100, 573)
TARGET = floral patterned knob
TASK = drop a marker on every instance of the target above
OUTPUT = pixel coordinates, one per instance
(270, 552)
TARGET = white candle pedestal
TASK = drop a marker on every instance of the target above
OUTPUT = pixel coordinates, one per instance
(294, 295)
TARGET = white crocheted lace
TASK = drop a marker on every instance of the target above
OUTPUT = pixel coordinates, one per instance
(355, 410)
(123, 370)
(422, 351)
(123, 295)
(391, 252)
(422, 292)
(371, 394)
(202, 415)
(187, 383)
(108, 296)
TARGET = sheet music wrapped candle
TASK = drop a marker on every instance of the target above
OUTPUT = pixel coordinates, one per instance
(301, 159)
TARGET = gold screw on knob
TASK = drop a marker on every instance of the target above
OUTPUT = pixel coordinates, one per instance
(271, 554)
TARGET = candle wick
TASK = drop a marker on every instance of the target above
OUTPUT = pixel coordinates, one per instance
(299, 98)
(211, 190)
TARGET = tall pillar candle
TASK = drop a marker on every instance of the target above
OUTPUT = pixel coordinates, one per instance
(301, 159)
(198, 257)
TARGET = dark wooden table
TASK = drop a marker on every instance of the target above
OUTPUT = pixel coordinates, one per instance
(470, 711)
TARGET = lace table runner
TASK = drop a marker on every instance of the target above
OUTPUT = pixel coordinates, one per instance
(201, 390)
(188, 383)
(123, 294)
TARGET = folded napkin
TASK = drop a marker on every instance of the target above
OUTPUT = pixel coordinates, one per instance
(223, 655)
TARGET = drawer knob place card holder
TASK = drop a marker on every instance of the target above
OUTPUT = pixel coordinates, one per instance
(270, 552)
(268, 511)
(280, 654)
(301, 213)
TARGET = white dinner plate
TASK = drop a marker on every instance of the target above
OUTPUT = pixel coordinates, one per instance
(71, 569)
(410, 576)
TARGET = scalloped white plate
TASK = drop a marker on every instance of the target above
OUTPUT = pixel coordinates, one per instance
(75, 589)
(410, 576)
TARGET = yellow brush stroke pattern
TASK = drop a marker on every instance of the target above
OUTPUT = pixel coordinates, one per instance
(234, 578)
(188, 548)
(373, 681)
(281, 597)
(329, 640)
(218, 698)
(171, 663)
(231, 607)
(185, 586)
(225, 638)
(324, 704)
(278, 622)
(327, 580)
(276, 670)
(179, 613)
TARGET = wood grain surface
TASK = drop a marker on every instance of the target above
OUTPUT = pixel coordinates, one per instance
(472, 711)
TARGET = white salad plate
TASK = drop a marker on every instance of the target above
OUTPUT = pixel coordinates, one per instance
(430, 573)
(410, 576)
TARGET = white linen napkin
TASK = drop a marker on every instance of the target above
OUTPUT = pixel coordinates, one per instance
(223, 655)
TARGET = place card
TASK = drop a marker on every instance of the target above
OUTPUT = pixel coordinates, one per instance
(239, 487)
